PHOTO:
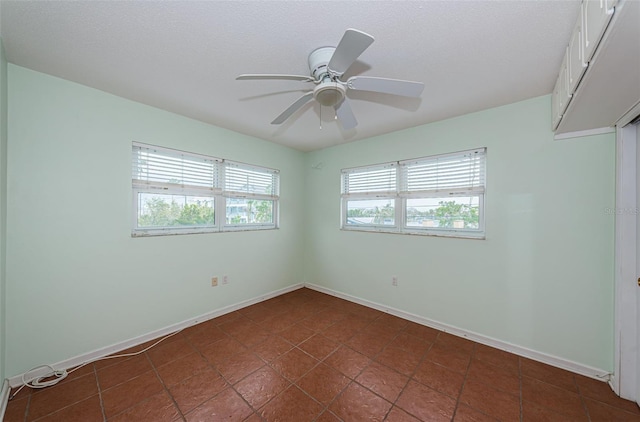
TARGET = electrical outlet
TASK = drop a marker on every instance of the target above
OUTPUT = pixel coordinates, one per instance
(214, 281)
(394, 281)
(225, 279)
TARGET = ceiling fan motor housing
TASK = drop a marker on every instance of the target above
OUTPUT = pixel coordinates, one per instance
(319, 61)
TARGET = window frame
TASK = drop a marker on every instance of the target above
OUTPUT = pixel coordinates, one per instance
(402, 194)
(216, 191)
(379, 191)
(229, 193)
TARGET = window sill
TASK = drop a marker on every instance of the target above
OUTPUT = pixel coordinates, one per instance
(155, 233)
(458, 235)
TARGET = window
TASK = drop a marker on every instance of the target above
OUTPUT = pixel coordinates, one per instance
(251, 195)
(176, 192)
(437, 195)
(369, 196)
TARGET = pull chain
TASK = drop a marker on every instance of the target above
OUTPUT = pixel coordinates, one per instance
(321, 117)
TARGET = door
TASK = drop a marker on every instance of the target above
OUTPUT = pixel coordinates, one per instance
(626, 374)
(636, 127)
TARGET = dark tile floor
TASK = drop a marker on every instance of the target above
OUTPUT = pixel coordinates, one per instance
(306, 356)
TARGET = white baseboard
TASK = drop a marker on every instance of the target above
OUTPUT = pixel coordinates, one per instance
(4, 398)
(558, 362)
(613, 382)
(105, 351)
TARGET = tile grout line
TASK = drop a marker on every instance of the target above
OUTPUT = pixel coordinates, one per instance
(582, 398)
(26, 410)
(464, 381)
(41, 390)
(578, 393)
(410, 377)
(95, 373)
(520, 389)
(213, 367)
(232, 386)
(164, 386)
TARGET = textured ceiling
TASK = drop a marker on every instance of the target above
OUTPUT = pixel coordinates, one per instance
(183, 56)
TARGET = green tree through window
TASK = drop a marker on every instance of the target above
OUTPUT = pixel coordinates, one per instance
(160, 213)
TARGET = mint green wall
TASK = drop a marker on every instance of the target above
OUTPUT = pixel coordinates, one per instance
(543, 278)
(3, 206)
(76, 279)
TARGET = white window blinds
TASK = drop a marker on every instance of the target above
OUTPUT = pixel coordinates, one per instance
(440, 195)
(245, 180)
(376, 180)
(462, 172)
(163, 166)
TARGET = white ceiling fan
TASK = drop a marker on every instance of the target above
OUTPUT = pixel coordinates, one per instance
(327, 65)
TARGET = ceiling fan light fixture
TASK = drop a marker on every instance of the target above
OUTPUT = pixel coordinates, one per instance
(329, 93)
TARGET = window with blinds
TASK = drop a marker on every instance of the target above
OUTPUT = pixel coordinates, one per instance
(178, 192)
(243, 179)
(167, 168)
(437, 195)
(451, 173)
(251, 194)
(374, 180)
(369, 196)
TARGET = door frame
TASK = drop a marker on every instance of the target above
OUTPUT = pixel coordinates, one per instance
(626, 353)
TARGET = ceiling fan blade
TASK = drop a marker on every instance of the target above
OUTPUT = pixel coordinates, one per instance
(386, 86)
(345, 115)
(352, 44)
(275, 76)
(293, 108)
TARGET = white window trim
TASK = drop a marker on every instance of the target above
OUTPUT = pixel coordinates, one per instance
(400, 200)
(217, 193)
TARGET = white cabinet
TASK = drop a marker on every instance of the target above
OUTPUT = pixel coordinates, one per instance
(596, 16)
(610, 87)
(576, 63)
(587, 32)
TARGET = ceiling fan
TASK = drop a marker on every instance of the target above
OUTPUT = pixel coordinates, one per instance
(327, 65)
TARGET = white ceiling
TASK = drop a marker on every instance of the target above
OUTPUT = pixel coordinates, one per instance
(183, 56)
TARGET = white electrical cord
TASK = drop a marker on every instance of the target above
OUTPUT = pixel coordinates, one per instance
(54, 376)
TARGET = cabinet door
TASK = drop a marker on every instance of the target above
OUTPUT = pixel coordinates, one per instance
(577, 65)
(596, 17)
(560, 97)
(563, 90)
(555, 99)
